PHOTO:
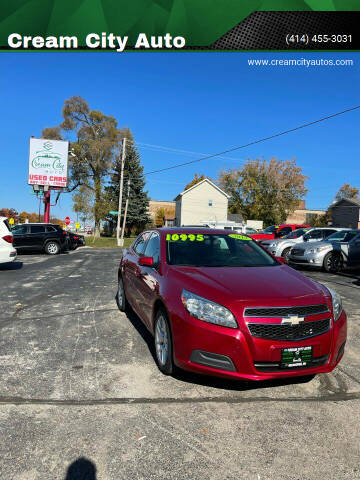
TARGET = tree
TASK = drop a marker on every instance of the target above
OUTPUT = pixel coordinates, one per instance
(137, 214)
(9, 213)
(83, 203)
(321, 220)
(197, 178)
(347, 191)
(160, 214)
(264, 190)
(93, 151)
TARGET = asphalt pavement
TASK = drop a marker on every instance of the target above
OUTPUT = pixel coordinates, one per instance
(82, 398)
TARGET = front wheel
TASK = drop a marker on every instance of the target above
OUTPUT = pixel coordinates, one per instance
(286, 254)
(333, 262)
(52, 248)
(163, 343)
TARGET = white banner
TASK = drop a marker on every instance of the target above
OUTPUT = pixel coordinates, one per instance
(48, 162)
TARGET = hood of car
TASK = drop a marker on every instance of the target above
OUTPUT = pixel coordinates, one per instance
(307, 245)
(274, 240)
(277, 285)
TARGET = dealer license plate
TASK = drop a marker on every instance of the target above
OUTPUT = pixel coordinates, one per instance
(296, 357)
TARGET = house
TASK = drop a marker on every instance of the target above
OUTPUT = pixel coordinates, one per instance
(201, 203)
(346, 213)
(302, 215)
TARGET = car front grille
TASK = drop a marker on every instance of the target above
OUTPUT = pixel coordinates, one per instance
(302, 311)
(297, 251)
(278, 331)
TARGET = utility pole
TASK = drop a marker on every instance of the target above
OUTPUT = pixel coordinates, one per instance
(126, 209)
(120, 193)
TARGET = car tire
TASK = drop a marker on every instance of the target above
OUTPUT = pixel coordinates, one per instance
(52, 248)
(163, 343)
(121, 296)
(285, 254)
(333, 262)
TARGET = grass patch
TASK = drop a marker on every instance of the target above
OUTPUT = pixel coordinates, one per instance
(106, 242)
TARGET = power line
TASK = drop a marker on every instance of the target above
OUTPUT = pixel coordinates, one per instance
(255, 141)
(177, 151)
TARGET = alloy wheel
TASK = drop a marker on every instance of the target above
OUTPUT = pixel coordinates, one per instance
(161, 340)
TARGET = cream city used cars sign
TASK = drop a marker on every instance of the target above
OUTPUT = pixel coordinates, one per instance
(48, 162)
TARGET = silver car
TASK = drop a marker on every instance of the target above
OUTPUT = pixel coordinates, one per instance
(319, 254)
(281, 247)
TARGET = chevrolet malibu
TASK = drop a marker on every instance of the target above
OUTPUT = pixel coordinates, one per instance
(217, 303)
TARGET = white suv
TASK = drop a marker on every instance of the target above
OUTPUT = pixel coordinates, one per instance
(7, 251)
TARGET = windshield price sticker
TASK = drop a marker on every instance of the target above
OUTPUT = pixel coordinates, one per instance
(183, 237)
(239, 237)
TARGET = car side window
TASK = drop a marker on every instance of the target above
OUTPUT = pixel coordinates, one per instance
(49, 228)
(19, 229)
(315, 234)
(328, 232)
(153, 248)
(140, 243)
(37, 229)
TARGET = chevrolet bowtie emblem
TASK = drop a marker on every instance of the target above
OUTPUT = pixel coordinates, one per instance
(292, 320)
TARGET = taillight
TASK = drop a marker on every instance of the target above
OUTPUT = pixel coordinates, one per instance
(64, 233)
(8, 238)
(75, 237)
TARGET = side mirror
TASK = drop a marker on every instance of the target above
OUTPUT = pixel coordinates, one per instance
(306, 238)
(146, 261)
(280, 259)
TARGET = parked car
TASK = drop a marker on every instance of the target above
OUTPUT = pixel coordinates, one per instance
(7, 251)
(250, 230)
(218, 303)
(281, 247)
(76, 240)
(47, 237)
(331, 254)
(276, 231)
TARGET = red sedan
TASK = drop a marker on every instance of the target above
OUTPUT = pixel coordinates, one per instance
(217, 303)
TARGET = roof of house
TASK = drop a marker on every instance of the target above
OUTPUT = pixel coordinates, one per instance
(235, 217)
(199, 183)
(355, 201)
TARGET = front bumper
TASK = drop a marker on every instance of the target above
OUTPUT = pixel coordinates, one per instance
(250, 357)
(308, 259)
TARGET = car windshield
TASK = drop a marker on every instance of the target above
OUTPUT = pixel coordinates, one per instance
(297, 233)
(343, 236)
(270, 229)
(215, 250)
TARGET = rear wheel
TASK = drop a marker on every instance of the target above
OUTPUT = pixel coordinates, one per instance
(52, 248)
(333, 262)
(163, 343)
(286, 254)
(121, 297)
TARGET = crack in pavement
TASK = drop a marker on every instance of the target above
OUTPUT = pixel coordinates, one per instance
(334, 397)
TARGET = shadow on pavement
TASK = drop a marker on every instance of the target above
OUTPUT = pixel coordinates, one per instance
(81, 469)
(206, 380)
(140, 328)
(11, 266)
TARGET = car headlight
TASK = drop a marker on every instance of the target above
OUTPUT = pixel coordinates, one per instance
(336, 303)
(208, 311)
(316, 250)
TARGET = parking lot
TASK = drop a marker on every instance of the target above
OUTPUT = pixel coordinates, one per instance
(78, 380)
